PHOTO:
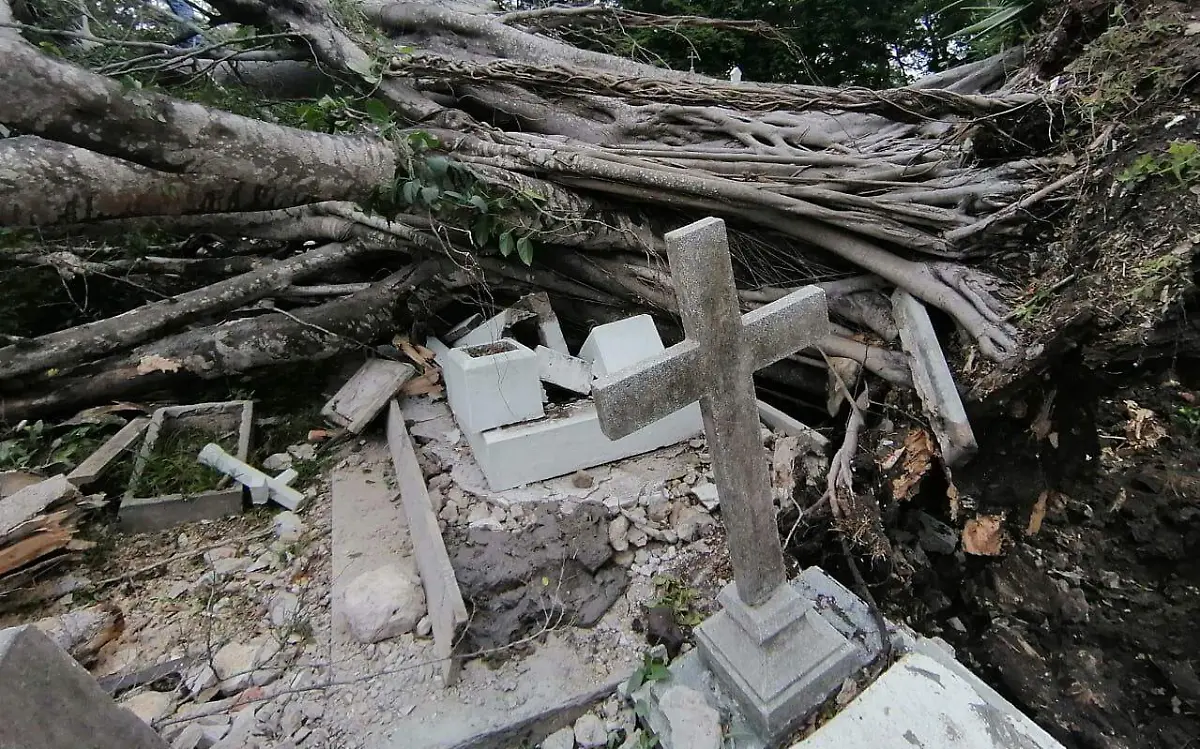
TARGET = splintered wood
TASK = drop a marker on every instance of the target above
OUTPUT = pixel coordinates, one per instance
(367, 393)
(37, 524)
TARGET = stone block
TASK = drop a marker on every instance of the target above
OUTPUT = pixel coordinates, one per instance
(50, 702)
(492, 385)
(569, 441)
(616, 345)
(367, 393)
(565, 371)
(495, 329)
(928, 704)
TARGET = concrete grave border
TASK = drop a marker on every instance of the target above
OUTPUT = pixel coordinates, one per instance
(491, 390)
(144, 514)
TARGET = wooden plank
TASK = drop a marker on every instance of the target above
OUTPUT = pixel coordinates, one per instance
(367, 393)
(32, 500)
(98, 462)
(447, 612)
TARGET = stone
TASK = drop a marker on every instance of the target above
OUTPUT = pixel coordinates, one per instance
(199, 678)
(561, 739)
(277, 462)
(302, 451)
(283, 609)
(618, 533)
(784, 424)
(930, 704)
(933, 380)
(288, 527)
(424, 627)
(98, 462)
(767, 646)
(706, 494)
(683, 718)
(241, 730)
(638, 537)
(51, 702)
(383, 603)
(693, 524)
(582, 480)
(234, 666)
(590, 732)
(493, 385)
(367, 393)
(151, 707)
(565, 371)
(616, 345)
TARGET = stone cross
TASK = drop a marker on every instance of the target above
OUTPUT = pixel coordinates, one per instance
(715, 364)
(768, 646)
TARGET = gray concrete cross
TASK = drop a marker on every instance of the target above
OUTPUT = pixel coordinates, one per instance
(715, 364)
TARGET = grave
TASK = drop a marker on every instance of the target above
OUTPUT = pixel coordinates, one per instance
(778, 650)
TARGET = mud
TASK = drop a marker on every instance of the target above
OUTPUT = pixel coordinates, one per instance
(554, 573)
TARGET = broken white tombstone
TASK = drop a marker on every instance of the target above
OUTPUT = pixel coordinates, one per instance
(766, 645)
(262, 487)
(620, 344)
(366, 393)
(495, 329)
(933, 380)
(383, 603)
(549, 331)
(565, 371)
(492, 385)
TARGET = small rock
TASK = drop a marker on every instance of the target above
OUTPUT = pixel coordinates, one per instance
(283, 609)
(706, 494)
(201, 677)
(318, 435)
(478, 513)
(659, 510)
(624, 558)
(590, 732)
(277, 462)
(564, 739)
(221, 552)
(618, 533)
(638, 537)
(583, 480)
(303, 451)
(696, 443)
(957, 625)
(234, 666)
(1074, 606)
(690, 720)
(424, 627)
(383, 603)
(229, 566)
(151, 707)
(692, 524)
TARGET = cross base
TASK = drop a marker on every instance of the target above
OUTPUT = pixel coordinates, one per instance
(779, 660)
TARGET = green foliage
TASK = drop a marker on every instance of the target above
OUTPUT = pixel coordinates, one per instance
(1187, 419)
(173, 468)
(680, 598)
(34, 446)
(995, 25)
(1129, 66)
(651, 670)
(1180, 160)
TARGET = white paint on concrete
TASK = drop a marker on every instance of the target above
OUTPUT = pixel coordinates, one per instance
(921, 702)
(784, 424)
(488, 390)
(262, 487)
(564, 370)
(493, 330)
(617, 345)
(568, 441)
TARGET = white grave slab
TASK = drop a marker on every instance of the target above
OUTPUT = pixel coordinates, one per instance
(616, 345)
(922, 702)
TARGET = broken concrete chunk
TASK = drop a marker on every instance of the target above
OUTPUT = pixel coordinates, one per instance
(549, 331)
(565, 371)
(288, 527)
(810, 438)
(384, 603)
(366, 393)
(933, 380)
(562, 739)
(494, 329)
(618, 533)
(277, 462)
(683, 718)
(706, 494)
(616, 345)
(590, 732)
(261, 486)
(98, 462)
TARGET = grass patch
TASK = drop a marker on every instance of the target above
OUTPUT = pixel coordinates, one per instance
(173, 469)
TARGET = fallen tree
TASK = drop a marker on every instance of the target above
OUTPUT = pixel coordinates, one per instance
(476, 139)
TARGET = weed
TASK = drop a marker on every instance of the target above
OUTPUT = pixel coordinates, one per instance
(32, 446)
(678, 597)
(651, 670)
(1154, 276)
(1187, 419)
(1181, 160)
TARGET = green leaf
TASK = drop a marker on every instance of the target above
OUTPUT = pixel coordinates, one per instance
(366, 69)
(479, 203)
(481, 231)
(657, 672)
(410, 191)
(378, 112)
(454, 195)
(438, 165)
(507, 245)
(525, 250)
(430, 194)
(421, 140)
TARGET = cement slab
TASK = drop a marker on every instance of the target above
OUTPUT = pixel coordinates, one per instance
(617, 345)
(568, 441)
(921, 702)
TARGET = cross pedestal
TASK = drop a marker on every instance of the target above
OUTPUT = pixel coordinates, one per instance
(767, 646)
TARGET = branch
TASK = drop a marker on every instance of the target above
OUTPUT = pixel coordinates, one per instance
(555, 17)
